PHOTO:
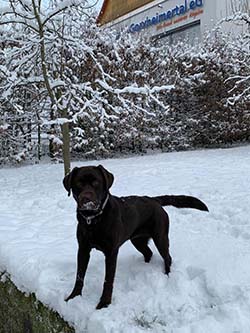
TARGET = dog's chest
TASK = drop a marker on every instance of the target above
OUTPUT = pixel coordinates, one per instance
(97, 238)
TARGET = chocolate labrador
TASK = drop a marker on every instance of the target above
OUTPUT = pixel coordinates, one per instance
(105, 222)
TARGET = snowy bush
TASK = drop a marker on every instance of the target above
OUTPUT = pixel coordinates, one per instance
(204, 88)
(200, 111)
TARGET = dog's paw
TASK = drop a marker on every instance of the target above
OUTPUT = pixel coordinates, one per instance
(103, 304)
(68, 298)
(72, 295)
(148, 257)
(168, 263)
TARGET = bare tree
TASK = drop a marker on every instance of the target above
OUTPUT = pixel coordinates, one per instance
(41, 27)
(239, 6)
(239, 12)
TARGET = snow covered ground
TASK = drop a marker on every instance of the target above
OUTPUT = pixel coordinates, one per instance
(208, 289)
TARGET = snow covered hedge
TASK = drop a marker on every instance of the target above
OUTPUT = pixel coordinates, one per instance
(124, 95)
(205, 108)
(24, 313)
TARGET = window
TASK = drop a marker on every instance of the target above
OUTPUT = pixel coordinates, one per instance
(190, 33)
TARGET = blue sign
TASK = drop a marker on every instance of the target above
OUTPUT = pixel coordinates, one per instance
(168, 15)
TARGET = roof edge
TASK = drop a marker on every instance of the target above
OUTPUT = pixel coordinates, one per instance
(104, 6)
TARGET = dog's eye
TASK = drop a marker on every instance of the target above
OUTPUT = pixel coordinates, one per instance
(95, 183)
(80, 184)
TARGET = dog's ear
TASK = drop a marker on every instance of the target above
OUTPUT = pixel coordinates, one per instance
(67, 181)
(109, 178)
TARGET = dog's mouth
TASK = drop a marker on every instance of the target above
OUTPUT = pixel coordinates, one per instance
(89, 206)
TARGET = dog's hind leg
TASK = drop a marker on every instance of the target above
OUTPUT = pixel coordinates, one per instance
(160, 238)
(141, 244)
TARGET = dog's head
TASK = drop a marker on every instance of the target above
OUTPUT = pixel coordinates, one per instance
(89, 185)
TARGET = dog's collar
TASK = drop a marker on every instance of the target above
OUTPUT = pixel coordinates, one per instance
(90, 218)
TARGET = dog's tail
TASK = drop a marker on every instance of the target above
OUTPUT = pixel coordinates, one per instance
(181, 201)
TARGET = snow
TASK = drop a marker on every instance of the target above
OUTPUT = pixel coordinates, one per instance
(58, 121)
(4, 127)
(208, 289)
(133, 89)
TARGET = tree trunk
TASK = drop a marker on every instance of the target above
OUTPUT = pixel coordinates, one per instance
(39, 142)
(53, 99)
(66, 143)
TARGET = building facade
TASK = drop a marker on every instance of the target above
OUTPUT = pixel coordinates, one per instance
(168, 20)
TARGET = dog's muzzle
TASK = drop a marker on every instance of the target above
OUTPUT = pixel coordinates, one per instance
(93, 210)
(86, 201)
(89, 206)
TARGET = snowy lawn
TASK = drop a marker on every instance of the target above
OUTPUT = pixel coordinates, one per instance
(208, 289)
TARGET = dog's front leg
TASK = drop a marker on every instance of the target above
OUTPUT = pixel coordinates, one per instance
(110, 267)
(83, 256)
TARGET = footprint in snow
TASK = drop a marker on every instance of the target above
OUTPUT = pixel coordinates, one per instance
(237, 232)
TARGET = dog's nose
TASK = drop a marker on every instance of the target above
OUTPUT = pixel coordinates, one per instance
(86, 197)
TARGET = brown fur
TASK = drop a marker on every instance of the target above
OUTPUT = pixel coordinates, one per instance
(133, 218)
